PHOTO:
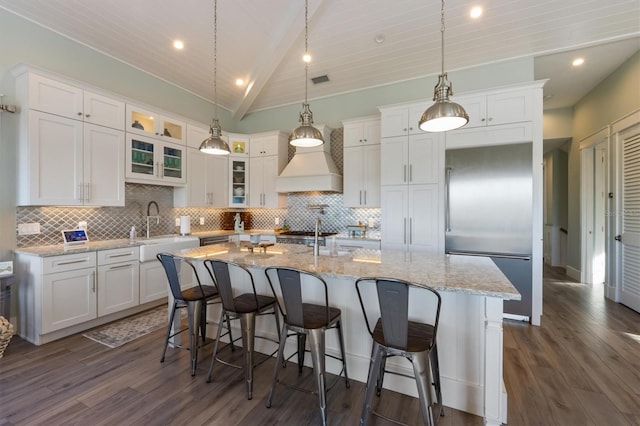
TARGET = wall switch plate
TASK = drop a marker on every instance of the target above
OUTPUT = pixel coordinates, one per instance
(82, 225)
(28, 228)
(202, 221)
(277, 221)
(177, 221)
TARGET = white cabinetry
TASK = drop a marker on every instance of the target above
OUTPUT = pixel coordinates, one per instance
(411, 217)
(362, 163)
(118, 280)
(510, 106)
(154, 161)
(268, 157)
(207, 175)
(415, 159)
(239, 181)
(63, 157)
(66, 100)
(401, 120)
(155, 125)
(68, 291)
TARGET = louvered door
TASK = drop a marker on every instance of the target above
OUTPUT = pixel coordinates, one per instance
(630, 218)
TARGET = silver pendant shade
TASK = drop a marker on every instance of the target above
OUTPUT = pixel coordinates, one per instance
(444, 114)
(214, 144)
(306, 135)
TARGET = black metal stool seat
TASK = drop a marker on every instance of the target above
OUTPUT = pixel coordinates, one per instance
(195, 299)
(394, 334)
(245, 308)
(306, 320)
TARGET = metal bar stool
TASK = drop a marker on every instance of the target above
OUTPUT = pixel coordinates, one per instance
(194, 299)
(245, 308)
(395, 334)
(306, 319)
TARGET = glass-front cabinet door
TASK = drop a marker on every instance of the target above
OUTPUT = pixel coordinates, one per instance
(239, 180)
(148, 123)
(154, 161)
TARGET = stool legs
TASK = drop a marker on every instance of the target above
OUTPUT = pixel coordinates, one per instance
(193, 336)
(343, 353)
(276, 368)
(248, 325)
(377, 355)
(166, 341)
(316, 344)
(302, 343)
(422, 372)
(215, 345)
(435, 371)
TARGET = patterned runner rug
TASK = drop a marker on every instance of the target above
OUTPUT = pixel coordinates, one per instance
(127, 329)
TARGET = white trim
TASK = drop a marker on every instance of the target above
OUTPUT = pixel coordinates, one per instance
(625, 122)
(594, 138)
(573, 273)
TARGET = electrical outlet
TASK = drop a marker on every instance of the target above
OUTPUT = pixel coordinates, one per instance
(202, 221)
(28, 228)
(82, 224)
(277, 221)
(177, 221)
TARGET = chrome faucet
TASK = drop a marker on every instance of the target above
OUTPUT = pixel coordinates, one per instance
(157, 216)
(316, 246)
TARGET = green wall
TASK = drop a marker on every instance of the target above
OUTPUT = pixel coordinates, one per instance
(613, 98)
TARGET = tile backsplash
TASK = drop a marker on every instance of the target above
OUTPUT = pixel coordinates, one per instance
(105, 223)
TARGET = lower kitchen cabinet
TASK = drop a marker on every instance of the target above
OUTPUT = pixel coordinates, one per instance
(411, 217)
(154, 284)
(68, 298)
(118, 280)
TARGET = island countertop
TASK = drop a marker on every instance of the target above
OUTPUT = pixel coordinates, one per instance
(451, 273)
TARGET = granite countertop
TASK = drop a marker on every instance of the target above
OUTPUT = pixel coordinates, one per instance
(58, 249)
(453, 273)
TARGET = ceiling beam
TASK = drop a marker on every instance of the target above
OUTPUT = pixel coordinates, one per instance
(291, 30)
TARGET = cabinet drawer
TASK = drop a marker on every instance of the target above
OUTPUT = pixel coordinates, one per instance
(126, 254)
(352, 243)
(69, 262)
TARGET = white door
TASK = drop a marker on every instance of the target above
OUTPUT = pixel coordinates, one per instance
(118, 287)
(256, 182)
(371, 175)
(423, 223)
(394, 207)
(353, 176)
(629, 259)
(599, 217)
(103, 174)
(68, 298)
(394, 161)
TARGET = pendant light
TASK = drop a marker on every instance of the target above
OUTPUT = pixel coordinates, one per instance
(214, 144)
(306, 135)
(443, 115)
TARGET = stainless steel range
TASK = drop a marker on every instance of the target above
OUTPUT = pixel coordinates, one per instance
(303, 237)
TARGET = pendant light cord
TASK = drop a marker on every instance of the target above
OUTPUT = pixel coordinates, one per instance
(442, 34)
(215, 57)
(306, 47)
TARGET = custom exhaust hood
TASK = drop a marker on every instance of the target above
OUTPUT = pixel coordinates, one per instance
(311, 169)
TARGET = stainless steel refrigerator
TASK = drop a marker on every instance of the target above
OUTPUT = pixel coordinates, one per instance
(489, 212)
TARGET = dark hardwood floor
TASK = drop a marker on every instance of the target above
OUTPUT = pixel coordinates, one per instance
(581, 367)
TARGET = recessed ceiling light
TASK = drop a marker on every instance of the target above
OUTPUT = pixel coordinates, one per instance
(379, 38)
(178, 44)
(239, 82)
(476, 12)
(306, 57)
(577, 62)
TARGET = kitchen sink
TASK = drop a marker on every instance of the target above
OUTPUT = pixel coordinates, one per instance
(152, 246)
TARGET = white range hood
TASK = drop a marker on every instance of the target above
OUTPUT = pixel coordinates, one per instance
(311, 169)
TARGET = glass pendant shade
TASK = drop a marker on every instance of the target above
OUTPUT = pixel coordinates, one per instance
(306, 135)
(443, 115)
(214, 144)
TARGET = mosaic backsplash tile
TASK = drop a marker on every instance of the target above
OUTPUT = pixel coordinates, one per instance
(105, 223)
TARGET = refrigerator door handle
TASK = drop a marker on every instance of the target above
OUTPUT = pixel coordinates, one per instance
(447, 212)
(500, 255)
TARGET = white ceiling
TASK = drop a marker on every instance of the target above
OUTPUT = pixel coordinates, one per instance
(263, 41)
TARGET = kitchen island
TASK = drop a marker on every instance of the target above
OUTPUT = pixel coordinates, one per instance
(470, 342)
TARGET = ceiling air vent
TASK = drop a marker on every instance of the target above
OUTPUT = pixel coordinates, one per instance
(320, 79)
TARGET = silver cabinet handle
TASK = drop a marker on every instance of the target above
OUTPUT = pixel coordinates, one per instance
(405, 173)
(71, 262)
(405, 230)
(447, 212)
(410, 172)
(128, 265)
(111, 256)
(93, 282)
(80, 113)
(87, 115)
(88, 192)
(365, 196)
(80, 192)
(361, 197)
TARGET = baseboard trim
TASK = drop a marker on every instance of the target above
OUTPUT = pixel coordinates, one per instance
(574, 273)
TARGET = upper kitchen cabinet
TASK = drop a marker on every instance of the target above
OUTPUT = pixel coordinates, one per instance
(362, 162)
(207, 175)
(268, 157)
(70, 149)
(239, 181)
(415, 159)
(153, 161)
(153, 124)
(68, 100)
(239, 144)
(401, 120)
(510, 106)
(361, 131)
